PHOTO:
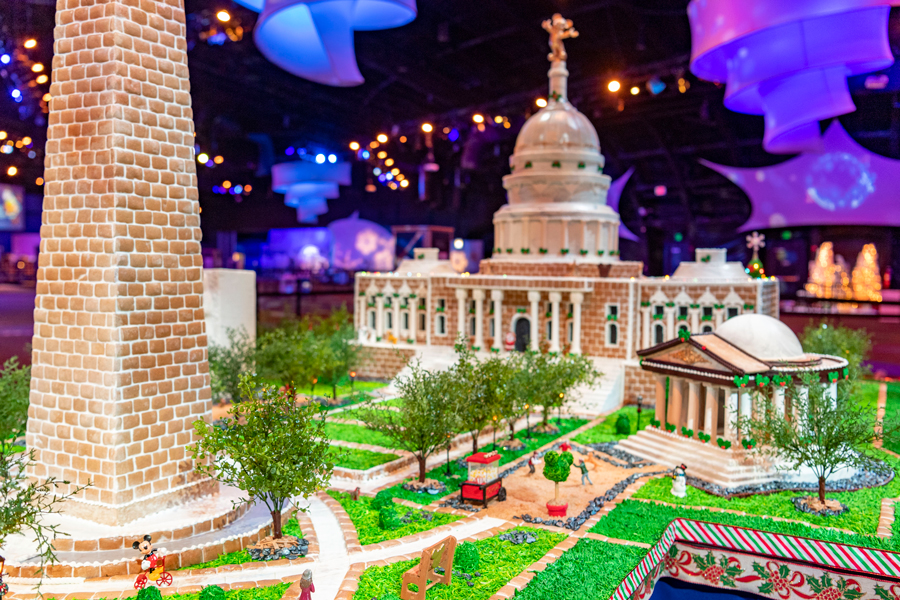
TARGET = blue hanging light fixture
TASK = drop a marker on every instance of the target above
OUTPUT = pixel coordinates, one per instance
(314, 39)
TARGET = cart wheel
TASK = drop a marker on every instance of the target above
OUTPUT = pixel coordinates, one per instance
(501, 495)
(164, 579)
(141, 582)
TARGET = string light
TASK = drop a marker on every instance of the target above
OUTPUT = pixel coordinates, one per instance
(332, 158)
(42, 79)
(382, 155)
(203, 158)
(427, 127)
(223, 16)
(320, 159)
(394, 171)
(354, 145)
(30, 43)
(26, 141)
(541, 102)
(614, 86)
(635, 91)
(478, 118)
(404, 183)
(218, 160)
(389, 162)
(39, 181)
(402, 139)
(5, 59)
(12, 171)
(498, 120)
(2, 135)
(226, 184)
(382, 138)
(373, 145)
(37, 67)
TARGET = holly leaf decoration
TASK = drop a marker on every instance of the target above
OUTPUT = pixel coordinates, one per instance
(704, 562)
(819, 585)
(767, 588)
(760, 570)
(673, 551)
(847, 592)
(784, 571)
(883, 593)
(732, 570)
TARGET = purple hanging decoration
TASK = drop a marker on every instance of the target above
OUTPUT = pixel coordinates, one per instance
(789, 59)
(307, 186)
(314, 39)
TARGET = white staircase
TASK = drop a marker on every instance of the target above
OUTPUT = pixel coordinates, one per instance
(606, 394)
(727, 468)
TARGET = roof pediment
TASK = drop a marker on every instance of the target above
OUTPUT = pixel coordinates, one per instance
(691, 356)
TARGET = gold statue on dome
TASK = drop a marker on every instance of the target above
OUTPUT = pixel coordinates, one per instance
(559, 29)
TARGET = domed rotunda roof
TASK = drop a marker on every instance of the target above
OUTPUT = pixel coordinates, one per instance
(762, 337)
(558, 126)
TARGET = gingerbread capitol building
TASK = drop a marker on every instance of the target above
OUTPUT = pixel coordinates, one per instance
(556, 281)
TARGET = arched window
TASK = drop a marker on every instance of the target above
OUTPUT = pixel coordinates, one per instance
(681, 328)
(659, 333)
(612, 335)
(389, 322)
(405, 319)
(472, 326)
(441, 325)
(372, 319)
(732, 311)
(707, 329)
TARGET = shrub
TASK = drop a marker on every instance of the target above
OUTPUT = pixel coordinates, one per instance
(151, 592)
(557, 467)
(382, 499)
(212, 592)
(389, 596)
(388, 519)
(466, 557)
(623, 425)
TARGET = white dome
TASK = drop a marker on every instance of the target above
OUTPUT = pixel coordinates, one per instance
(558, 126)
(762, 337)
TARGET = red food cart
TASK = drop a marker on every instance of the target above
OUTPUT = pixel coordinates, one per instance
(484, 482)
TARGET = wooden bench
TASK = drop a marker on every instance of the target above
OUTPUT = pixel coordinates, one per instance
(438, 556)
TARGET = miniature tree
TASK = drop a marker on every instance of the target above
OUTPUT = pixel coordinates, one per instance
(476, 404)
(287, 354)
(820, 432)
(557, 466)
(338, 350)
(227, 363)
(552, 378)
(508, 383)
(15, 383)
(853, 345)
(268, 446)
(26, 503)
(427, 413)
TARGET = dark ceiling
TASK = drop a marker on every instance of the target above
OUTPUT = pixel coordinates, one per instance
(457, 58)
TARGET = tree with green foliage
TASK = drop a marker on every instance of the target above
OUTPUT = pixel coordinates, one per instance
(267, 446)
(288, 354)
(853, 345)
(212, 592)
(424, 417)
(508, 388)
(26, 503)
(557, 467)
(337, 345)
(15, 385)
(821, 432)
(551, 379)
(475, 403)
(227, 364)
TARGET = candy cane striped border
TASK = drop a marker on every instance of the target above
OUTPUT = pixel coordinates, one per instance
(826, 554)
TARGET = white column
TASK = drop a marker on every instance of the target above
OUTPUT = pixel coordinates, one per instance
(676, 392)
(717, 315)
(535, 299)
(746, 404)
(395, 304)
(413, 306)
(577, 298)
(555, 298)
(461, 296)
(379, 316)
(693, 414)
(645, 327)
(711, 418)
(661, 400)
(778, 393)
(731, 413)
(497, 297)
(670, 322)
(478, 295)
(831, 393)
(362, 312)
(695, 319)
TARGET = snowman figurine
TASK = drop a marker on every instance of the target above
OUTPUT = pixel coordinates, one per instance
(679, 482)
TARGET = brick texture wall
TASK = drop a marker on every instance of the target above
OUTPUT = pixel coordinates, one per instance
(639, 382)
(383, 361)
(499, 266)
(119, 350)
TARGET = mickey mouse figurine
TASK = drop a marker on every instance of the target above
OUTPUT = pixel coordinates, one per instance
(4, 588)
(152, 565)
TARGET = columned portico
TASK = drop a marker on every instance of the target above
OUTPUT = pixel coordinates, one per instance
(731, 414)
(379, 316)
(661, 399)
(478, 296)
(395, 306)
(676, 395)
(534, 298)
(555, 299)
(461, 296)
(693, 412)
(711, 418)
(497, 297)
(576, 298)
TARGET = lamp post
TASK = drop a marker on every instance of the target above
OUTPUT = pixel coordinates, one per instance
(559, 411)
(494, 427)
(449, 437)
(312, 392)
(527, 422)
(640, 399)
(352, 381)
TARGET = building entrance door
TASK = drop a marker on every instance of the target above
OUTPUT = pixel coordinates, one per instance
(523, 334)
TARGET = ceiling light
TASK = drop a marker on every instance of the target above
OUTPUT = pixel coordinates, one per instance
(382, 155)
(541, 102)
(382, 138)
(39, 181)
(614, 86)
(30, 43)
(373, 144)
(635, 91)
(37, 67)
(223, 16)
(354, 145)
(42, 79)
(404, 183)
(389, 162)
(203, 158)
(320, 159)
(332, 158)
(219, 160)
(12, 171)
(478, 118)
(498, 119)
(427, 127)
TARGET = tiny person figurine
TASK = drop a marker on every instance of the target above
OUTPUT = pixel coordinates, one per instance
(509, 341)
(531, 460)
(306, 585)
(559, 29)
(679, 482)
(584, 473)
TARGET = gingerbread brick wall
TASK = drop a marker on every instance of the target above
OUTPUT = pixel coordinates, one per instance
(572, 268)
(639, 382)
(119, 358)
(383, 361)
